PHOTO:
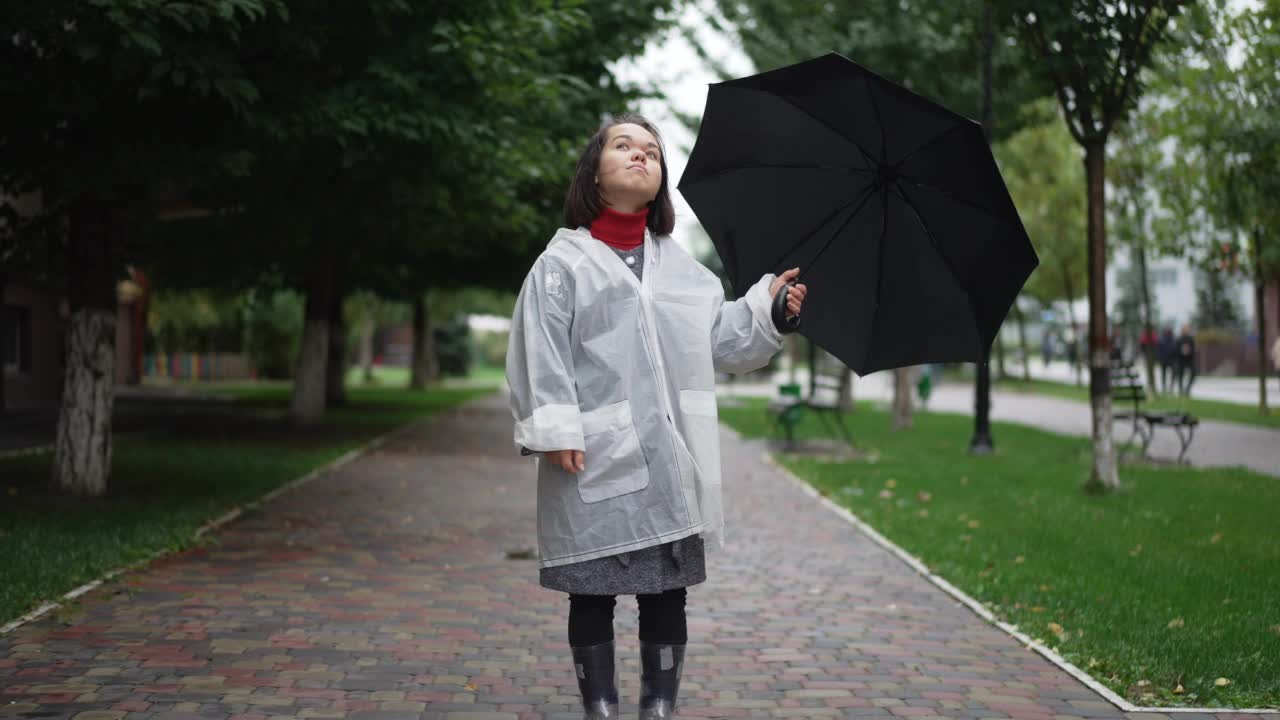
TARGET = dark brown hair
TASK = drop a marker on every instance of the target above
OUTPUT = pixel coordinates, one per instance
(583, 202)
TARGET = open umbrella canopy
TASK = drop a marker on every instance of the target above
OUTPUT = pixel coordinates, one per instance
(890, 204)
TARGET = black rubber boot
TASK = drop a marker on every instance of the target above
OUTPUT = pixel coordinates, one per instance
(597, 680)
(660, 668)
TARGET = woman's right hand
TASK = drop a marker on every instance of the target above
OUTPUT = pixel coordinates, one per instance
(569, 460)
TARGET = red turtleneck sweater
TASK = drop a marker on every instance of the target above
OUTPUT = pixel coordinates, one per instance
(624, 231)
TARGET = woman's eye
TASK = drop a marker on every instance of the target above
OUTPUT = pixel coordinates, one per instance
(653, 155)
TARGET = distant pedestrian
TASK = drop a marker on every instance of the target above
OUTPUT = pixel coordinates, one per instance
(1186, 361)
(1046, 348)
(1166, 354)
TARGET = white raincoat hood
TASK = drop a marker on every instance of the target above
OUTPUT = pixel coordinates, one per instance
(624, 370)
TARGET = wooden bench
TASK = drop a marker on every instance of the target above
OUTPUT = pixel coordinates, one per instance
(1127, 388)
(828, 382)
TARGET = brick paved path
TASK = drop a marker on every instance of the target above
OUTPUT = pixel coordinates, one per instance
(383, 590)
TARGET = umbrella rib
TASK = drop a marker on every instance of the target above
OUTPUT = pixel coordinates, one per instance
(952, 196)
(781, 166)
(928, 143)
(823, 123)
(938, 248)
(875, 311)
(866, 193)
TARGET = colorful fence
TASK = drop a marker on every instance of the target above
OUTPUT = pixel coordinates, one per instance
(197, 366)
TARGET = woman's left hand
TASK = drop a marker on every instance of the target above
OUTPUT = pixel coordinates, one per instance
(795, 296)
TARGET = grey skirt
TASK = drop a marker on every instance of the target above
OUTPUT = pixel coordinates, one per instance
(679, 563)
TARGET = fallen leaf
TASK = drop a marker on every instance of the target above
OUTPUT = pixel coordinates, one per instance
(1046, 588)
(1178, 690)
(1136, 551)
(1275, 629)
(1059, 631)
(1222, 682)
(923, 496)
(1216, 537)
(974, 524)
(966, 538)
(1037, 608)
(964, 481)
(923, 512)
(1019, 560)
(891, 483)
(886, 494)
(1176, 623)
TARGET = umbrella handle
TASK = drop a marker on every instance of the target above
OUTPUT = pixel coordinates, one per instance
(785, 325)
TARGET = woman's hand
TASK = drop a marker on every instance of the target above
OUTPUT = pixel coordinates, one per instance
(568, 460)
(795, 296)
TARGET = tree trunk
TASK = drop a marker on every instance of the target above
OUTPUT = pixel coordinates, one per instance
(83, 444)
(335, 385)
(846, 391)
(308, 402)
(1148, 331)
(1102, 474)
(423, 364)
(367, 326)
(982, 443)
(1022, 341)
(1260, 317)
(901, 398)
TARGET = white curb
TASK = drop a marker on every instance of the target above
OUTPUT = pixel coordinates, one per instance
(986, 614)
(219, 522)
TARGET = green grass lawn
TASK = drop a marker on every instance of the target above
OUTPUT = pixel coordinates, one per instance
(1203, 409)
(1173, 580)
(207, 459)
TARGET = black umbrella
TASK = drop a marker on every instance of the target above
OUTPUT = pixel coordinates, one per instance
(890, 204)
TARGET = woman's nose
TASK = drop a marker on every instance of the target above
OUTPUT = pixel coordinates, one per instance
(638, 156)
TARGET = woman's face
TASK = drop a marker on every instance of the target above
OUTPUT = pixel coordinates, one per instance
(630, 171)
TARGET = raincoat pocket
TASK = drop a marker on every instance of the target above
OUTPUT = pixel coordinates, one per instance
(614, 462)
(702, 431)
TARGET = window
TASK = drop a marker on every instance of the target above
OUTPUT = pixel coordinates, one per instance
(1164, 276)
(15, 338)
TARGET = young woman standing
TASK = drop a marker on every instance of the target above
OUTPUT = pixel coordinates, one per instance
(616, 338)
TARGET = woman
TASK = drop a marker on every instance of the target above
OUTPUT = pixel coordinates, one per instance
(615, 341)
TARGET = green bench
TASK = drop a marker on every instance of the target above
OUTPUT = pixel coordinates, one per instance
(826, 386)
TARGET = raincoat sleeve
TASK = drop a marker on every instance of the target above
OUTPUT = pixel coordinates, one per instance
(544, 395)
(743, 336)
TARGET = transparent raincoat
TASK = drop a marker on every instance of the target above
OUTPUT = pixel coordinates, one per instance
(624, 370)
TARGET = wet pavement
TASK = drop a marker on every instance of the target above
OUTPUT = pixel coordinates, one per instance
(394, 587)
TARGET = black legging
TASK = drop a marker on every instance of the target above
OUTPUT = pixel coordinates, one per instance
(661, 618)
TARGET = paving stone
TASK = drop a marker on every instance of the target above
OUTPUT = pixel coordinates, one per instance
(382, 591)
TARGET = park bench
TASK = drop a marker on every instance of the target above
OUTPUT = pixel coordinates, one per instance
(828, 380)
(1127, 389)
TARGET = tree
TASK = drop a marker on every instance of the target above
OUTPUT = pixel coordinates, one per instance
(1041, 166)
(1093, 52)
(117, 97)
(1215, 307)
(1225, 115)
(1134, 158)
